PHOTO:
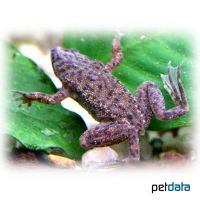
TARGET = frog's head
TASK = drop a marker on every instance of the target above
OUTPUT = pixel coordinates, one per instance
(61, 59)
(65, 59)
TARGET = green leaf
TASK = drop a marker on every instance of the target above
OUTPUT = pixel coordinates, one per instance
(145, 58)
(40, 126)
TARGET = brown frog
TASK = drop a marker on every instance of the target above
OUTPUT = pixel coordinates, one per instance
(122, 116)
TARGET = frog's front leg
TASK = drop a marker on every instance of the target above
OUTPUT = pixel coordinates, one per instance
(42, 97)
(172, 83)
(106, 134)
(116, 54)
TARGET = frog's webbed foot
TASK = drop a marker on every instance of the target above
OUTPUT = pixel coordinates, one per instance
(172, 83)
(21, 96)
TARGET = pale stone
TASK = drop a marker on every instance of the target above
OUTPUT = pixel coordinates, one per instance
(99, 157)
(61, 161)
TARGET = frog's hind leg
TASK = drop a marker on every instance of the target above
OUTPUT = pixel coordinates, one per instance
(106, 134)
(173, 85)
(116, 54)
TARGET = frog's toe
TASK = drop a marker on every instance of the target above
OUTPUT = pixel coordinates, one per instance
(21, 96)
(16, 95)
(130, 159)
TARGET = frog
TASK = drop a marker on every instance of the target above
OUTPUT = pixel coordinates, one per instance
(122, 116)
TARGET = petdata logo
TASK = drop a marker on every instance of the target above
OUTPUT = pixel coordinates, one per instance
(171, 187)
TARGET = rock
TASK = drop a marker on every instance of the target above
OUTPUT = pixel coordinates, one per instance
(61, 161)
(146, 150)
(182, 143)
(99, 157)
(25, 156)
(172, 156)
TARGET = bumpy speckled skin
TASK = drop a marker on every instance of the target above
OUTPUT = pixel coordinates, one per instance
(122, 115)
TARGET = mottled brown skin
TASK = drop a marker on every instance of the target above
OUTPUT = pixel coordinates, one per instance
(122, 116)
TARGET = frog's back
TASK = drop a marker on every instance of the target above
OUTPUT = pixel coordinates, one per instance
(92, 85)
(100, 93)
